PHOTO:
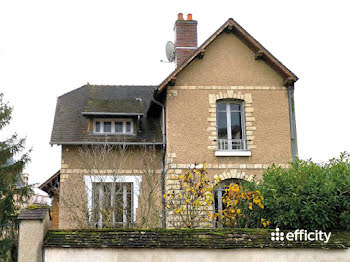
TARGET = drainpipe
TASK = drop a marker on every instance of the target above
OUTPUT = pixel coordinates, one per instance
(163, 162)
(291, 119)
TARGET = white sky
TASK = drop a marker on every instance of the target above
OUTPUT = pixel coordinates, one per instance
(48, 48)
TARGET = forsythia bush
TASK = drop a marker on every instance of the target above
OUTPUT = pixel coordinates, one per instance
(307, 195)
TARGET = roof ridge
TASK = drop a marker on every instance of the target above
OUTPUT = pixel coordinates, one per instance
(94, 85)
(123, 85)
(72, 91)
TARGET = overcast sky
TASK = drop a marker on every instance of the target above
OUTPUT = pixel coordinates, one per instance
(48, 48)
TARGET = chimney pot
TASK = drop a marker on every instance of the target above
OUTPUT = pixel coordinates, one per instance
(180, 16)
(189, 16)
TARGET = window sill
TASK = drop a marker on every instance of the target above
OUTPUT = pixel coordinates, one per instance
(112, 134)
(233, 153)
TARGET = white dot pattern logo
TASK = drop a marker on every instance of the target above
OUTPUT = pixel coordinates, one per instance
(277, 236)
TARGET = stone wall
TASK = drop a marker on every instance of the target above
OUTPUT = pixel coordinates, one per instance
(189, 245)
(228, 70)
(55, 211)
(32, 229)
(73, 196)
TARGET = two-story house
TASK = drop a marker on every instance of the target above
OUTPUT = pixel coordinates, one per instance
(228, 103)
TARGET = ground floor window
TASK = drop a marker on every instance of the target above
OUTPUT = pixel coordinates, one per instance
(112, 204)
(112, 199)
(218, 194)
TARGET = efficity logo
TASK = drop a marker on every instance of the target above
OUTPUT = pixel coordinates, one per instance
(301, 235)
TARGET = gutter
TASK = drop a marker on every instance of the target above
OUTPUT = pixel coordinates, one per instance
(110, 114)
(104, 142)
(291, 119)
(163, 161)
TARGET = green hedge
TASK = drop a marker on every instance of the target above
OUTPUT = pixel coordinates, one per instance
(307, 195)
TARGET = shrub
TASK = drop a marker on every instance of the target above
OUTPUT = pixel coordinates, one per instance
(190, 199)
(240, 205)
(308, 195)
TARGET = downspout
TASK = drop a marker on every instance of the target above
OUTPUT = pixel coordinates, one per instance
(291, 119)
(163, 162)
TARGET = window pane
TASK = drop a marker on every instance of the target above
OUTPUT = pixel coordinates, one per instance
(128, 127)
(107, 195)
(107, 127)
(222, 125)
(95, 203)
(107, 215)
(97, 126)
(236, 128)
(119, 127)
(118, 203)
(129, 203)
(221, 106)
(235, 107)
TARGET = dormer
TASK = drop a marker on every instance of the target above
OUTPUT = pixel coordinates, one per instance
(114, 117)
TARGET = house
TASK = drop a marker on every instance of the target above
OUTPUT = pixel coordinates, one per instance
(228, 103)
(40, 198)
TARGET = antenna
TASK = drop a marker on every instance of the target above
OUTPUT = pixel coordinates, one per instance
(170, 51)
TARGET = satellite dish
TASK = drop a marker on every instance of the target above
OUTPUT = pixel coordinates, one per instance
(170, 51)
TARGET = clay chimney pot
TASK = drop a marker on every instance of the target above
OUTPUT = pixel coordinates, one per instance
(180, 16)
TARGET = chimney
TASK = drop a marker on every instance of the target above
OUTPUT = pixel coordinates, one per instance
(185, 38)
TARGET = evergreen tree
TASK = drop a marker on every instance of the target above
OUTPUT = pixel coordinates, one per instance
(10, 170)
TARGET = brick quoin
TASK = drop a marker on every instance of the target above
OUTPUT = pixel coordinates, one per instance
(185, 36)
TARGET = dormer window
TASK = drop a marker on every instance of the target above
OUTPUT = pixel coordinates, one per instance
(113, 126)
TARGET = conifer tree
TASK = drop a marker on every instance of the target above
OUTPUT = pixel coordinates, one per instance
(11, 195)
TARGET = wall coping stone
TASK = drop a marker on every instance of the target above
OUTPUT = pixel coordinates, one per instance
(226, 238)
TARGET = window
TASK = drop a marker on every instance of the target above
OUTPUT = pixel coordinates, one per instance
(112, 204)
(230, 127)
(119, 127)
(97, 126)
(112, 199)
(219, 192)
(108, 126)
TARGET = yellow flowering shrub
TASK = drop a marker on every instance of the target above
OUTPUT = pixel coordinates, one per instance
(188, 205)
(238, 204)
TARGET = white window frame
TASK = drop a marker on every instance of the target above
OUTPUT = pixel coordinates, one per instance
(113, 121)
(134, 179)
(230, 151)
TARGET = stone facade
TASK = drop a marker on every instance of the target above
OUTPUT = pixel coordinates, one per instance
(228, 69)
(73, 195)
(55, 211)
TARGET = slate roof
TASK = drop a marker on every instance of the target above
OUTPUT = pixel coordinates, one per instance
(37, 213)
(182, 238)
(120, 106)
(70, 125)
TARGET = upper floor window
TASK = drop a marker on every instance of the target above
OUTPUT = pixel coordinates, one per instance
(231, 126)
(113, 126)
